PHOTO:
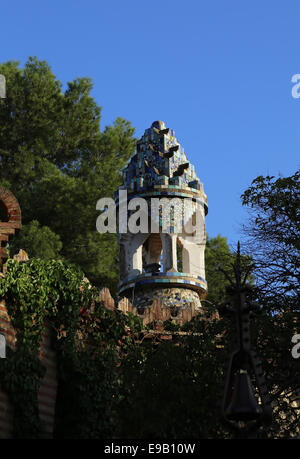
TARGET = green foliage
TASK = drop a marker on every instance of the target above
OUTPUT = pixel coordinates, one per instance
(112, 384)
(275, 203)
(52, 291)
(219, 261)
(38, 241)
(21, 374)
(273, 235)
(273, 239)
(102, 371)
(58, 163)
(272, 337)
(171, 388)
(217, 254)
(89, 378)
(39, 123)
(34, 291)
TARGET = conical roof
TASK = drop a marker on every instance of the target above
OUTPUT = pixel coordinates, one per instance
(160, 162)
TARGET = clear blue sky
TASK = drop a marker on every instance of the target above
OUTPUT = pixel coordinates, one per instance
(218, 72)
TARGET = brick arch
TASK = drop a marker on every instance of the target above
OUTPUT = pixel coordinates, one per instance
(13, 221)
(10, 203)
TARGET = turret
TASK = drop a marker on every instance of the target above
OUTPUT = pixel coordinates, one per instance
(161, 233)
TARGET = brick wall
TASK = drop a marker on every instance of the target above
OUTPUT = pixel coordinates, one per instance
(11, 212)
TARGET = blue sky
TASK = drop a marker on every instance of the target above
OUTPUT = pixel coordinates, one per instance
(218, 73)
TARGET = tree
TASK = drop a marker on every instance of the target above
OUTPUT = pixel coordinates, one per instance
(273, 238)
(217, 254)
(219, 259)
(58, 162)
(40, 124)
(38, 241)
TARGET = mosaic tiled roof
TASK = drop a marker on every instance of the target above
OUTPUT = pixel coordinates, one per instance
(159, 160)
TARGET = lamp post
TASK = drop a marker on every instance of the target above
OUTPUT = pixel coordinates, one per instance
(239, 405)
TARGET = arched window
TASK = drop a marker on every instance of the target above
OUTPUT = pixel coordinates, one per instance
(3, 212)
(151, 253)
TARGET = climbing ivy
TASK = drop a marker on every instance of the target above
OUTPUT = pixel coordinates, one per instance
(112, 382)
(88, 340)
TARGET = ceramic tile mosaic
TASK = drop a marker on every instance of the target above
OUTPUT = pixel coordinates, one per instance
(166, 278)
(159, 160)
(180, 298)
(160, 169)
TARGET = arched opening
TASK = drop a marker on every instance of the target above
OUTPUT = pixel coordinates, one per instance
(152, 250)
(4, 217)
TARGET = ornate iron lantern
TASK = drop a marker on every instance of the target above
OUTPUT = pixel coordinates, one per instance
(239, 403)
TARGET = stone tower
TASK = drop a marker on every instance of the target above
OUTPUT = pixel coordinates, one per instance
(165, 261)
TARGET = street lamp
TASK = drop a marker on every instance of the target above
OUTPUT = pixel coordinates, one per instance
(243, 405)
(239, 403)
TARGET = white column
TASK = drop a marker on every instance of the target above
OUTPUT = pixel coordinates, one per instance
(193, 258)
(169, 242)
